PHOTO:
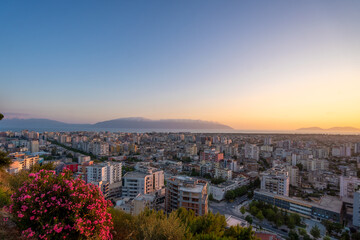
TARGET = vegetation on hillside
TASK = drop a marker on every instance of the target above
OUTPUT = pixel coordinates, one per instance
(180, 224)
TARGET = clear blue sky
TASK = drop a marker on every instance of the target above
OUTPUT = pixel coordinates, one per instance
(226, 61)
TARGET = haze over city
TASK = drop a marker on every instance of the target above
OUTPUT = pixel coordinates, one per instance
(260, 65)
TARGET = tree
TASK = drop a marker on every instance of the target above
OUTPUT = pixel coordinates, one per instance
(240, 233)
(249, 219)
(156, 225)
(217, 180)
(58, 206)
(326, 238)
(211, 198)
(315, 231)
(302, 231)
(124, 225)
(242, 210)
(300, 166)
(354, 236)
(1, 116)
(307, 237)
(345, 236)
(5, 161)
(270, 214)
(260, 215)
(293, 235)
(229, 195)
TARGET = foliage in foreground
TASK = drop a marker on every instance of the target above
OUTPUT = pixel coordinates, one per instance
(180, 224)
(50, 206)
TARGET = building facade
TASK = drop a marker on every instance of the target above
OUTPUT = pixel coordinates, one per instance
(187, 192)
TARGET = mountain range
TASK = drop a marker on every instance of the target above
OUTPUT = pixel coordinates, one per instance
(333, 129)
(125, 123)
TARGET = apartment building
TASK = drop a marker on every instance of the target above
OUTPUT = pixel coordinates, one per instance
(142, 182)
(252, 151)
(294, 176)
(109, 171)
(24, 161)
(223, 173)
(187, 192)
(275, 180)
(348, 186)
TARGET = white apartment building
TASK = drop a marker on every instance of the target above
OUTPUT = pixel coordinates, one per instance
(142, 182)
(276, 180)
(294, 175)
(223, 173)
(34, 146)
(252, 151)
(218, 191)
(317, 164)
(106, 172)
(348, 185)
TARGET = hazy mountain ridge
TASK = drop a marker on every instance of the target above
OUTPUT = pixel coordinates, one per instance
(130, 123)
(144, 123)
(333, 129)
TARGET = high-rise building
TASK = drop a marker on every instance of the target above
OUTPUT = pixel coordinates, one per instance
(356, 209)
(348, 185)
(142, 182)
(186, 192)
(223, 173)
(106, 172)
(34, 146)
(252, 151)
(357, 148)
(294, 176)
(275, 180)
(211, 155)
(267, 141)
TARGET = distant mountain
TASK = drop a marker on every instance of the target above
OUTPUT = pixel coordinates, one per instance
(333, 129)
(36, 123)
(126, 123)
(310, 129)
(143, 123)
(344, 129)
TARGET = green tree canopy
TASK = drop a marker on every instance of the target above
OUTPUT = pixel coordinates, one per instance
(315, 231)
(5, 161)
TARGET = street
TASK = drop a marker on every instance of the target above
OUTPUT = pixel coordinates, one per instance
(226, 208)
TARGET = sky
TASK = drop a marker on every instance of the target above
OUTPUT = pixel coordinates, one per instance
(257, 65)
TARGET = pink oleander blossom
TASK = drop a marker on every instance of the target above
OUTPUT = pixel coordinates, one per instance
(50, 206)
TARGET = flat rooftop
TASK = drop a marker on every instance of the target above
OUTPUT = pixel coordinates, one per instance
(194, 189)
(329, 203)
(135, 174)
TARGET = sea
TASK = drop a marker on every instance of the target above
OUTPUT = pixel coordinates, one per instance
(142, 130)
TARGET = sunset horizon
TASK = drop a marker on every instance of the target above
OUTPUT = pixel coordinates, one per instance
(296, 64)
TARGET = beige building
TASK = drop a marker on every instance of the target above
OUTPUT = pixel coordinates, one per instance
(142, 182)
(186, 192)
(294, 176)
(276, 181)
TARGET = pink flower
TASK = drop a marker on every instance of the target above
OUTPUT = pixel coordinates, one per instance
(32, 218)
(57, 229)
(20, 215)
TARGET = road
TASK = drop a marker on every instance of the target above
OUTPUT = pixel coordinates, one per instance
(233, 209)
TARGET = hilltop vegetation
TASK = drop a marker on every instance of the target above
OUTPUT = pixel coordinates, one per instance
(30, 216)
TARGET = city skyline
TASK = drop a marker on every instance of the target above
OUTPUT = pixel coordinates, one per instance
(249, 65)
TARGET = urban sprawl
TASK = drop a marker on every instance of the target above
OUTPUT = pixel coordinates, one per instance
(242, 176)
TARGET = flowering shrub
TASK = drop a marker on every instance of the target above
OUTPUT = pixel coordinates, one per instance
(50, 206)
